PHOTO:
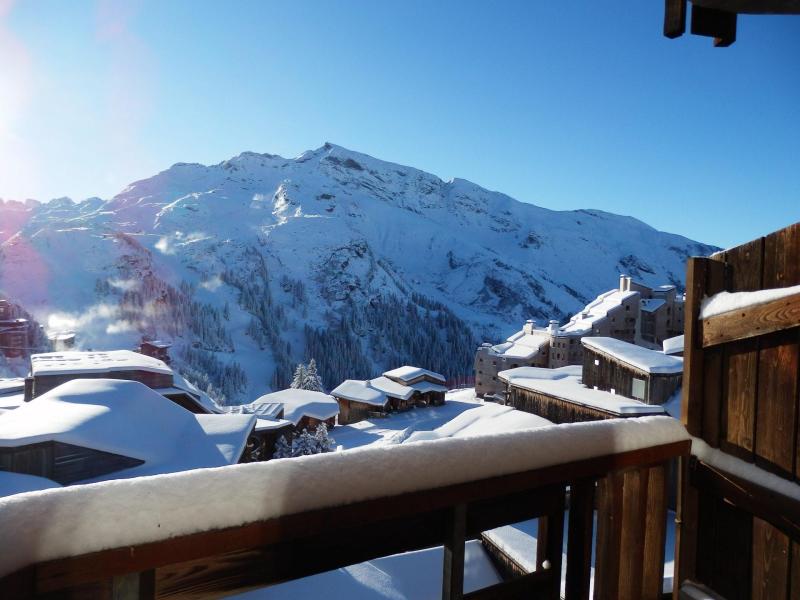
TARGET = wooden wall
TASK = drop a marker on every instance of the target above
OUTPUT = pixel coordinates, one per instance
(611, 373)
(741, 396)
(552, 408)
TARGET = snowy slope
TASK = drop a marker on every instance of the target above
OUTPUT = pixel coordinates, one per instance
(259, 259)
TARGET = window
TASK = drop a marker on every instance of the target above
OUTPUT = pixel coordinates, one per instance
(596, 362)
(637, 389)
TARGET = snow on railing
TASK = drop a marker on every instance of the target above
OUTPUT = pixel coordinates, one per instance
(80, 519)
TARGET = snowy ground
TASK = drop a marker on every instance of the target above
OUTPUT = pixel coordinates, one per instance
(462, 415)
(519, 542)
(411, 576)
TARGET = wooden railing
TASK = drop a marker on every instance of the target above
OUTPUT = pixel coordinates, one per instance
(741, 384)
(627, 488)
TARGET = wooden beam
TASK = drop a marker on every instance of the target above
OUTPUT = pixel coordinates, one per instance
(674, 18)
(712, 22)
(454, 540)
(752, 321)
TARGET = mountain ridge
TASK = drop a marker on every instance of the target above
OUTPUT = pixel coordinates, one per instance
(275, 254)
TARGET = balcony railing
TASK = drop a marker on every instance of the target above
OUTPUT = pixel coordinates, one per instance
(282, 520)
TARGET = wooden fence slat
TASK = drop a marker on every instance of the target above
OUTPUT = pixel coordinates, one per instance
(692, 398)
(655, 534)
(770, 562)
(580, 537)
(739, 404)
(454, 540)
(632, 547)
(776, 419)
(794, 575)
(609, 536)
(686, 520)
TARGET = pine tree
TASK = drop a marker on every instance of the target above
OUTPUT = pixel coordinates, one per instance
(300, 374)
(282, 448)
(324, 441)
(312, 380)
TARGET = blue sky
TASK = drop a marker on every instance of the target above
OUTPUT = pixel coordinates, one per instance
(562, 104)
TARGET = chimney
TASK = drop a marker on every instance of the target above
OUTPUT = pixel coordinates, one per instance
(622, 283)
(628, 281)
(529, 326)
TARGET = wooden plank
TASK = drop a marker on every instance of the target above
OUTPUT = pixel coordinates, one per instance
(781, 511)
(746, 266)
(739, 399)
(609, 537)
(776, 417)
(579, 539)
(770, 562)
(134, 586)
(532, 585)
(655, 534)
(781, 262)
(686, 526)
(712, 365)
(454, 540)
(674, 18)
(554, 541)
(632, 546)
(752, 321)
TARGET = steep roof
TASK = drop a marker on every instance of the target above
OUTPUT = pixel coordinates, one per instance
(129, 419)
(62, 363)
(301, 403)
(649, 361)
(522, 345)
(392, 388)
(582, 323)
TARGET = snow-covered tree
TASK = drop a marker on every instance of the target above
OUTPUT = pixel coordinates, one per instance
(305, 443)
(300, 375)
(312, 380)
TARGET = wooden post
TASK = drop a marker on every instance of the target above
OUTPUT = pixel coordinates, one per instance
(134, 586)
(579, 539)
(692, 400)
(454, 540)
(655, 534)
(685, 528)
(609, 537)
(674, 18)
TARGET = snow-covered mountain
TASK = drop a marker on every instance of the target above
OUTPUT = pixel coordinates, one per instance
(257, 262)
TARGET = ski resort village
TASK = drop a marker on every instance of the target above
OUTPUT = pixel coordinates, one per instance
(319, 374)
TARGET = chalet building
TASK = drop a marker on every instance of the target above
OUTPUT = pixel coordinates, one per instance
(560, 396)
(639, 373)
(359, 400)
(304, 409)
(156, 349)
(49, 370)
(6, 310)
(88, 430)
(429, 387)
(14, 337)
(633, 312)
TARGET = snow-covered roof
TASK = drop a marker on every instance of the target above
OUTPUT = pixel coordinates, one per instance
(302, 403)
(582, 323)
(12, 385)
(360, 391)
(673, 345)
(522, 345)
(11, 401)
(262, 424)
(565, 383)
(727, 301)
(392, 388)
(63, 363)
(129, 419)
(158, 344)
(202, 399)
(18, 483)
(407, 373)
(649, 361)
(423, 387)
(652, 304)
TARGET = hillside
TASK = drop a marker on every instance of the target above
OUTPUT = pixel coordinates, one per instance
(254, 263)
